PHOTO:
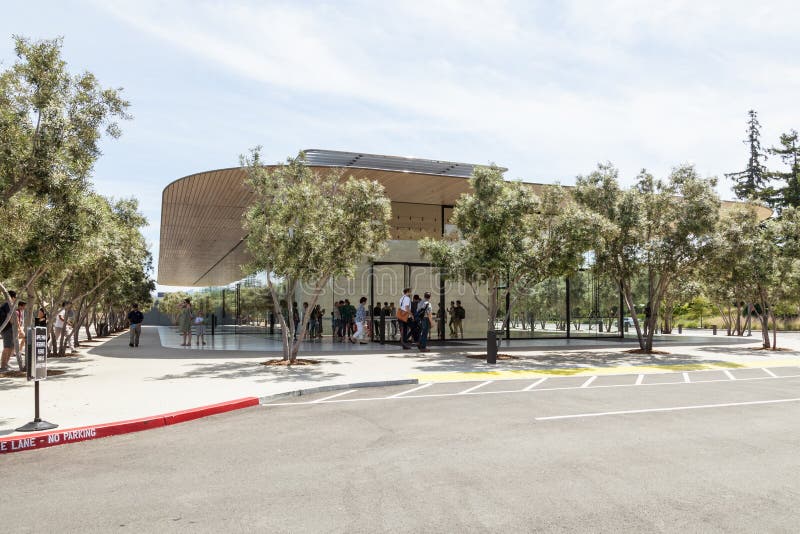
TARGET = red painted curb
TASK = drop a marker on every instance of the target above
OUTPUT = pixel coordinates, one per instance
(51, 438)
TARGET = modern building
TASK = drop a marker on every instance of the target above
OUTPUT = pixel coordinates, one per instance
(202, 245)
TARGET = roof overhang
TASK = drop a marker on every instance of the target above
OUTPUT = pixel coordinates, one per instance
(202, 239)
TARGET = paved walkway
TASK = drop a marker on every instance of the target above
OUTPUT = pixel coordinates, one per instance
(109, 381)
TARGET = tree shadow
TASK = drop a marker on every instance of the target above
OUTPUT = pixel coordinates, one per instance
(574, 360)
(751, 351)
(238, 370)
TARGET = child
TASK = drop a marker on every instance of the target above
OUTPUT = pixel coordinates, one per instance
(200, 327)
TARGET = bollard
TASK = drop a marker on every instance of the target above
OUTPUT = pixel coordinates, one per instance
(714, 329)
(680, 329)
(491, 346)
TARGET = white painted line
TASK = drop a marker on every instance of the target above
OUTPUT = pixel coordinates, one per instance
(531, 386)
(591, 379)
(672, 409)
(332, 396)
(412, 390)
(639, 380)
(686, 377)
(770, 373)
(537, 390)
(728, 374)
(473, 388)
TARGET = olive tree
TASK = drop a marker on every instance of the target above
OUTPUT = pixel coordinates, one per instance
(509, 239)
(306, 227)
(663, 229)
(760, 259)
(51, 124)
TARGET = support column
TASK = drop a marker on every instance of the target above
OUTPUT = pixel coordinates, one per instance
(569, 312)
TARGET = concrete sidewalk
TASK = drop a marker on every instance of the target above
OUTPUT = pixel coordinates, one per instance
(109, 381)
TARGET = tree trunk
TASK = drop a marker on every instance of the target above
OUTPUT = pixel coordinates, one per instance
(774, 331)
(304, 322)
(628, 295)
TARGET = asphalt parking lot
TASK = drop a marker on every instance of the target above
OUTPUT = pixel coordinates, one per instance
(700, 451)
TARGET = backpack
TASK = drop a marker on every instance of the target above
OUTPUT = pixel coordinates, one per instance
(461, 313)
(422, 311)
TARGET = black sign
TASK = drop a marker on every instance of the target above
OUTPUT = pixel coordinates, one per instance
(37, 353)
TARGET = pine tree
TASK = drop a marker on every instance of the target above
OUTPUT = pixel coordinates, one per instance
(752, 182)
(789, 152)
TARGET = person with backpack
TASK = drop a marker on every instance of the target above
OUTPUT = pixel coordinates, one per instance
(459, 314)
(424, 321)
(415, 302)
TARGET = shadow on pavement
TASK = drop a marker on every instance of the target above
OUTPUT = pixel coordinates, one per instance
(234, 370)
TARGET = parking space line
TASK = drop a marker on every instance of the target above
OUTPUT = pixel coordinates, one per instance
(531, 386)
(527, 389)
(729, 374)
(591, 379)
(332, 396)
(473, 388)
(671, 409)
(639, 380)
(770, 373)
(686, 377)
(412, 390)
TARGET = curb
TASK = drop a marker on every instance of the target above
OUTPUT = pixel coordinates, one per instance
(336, 387)
(40, 440)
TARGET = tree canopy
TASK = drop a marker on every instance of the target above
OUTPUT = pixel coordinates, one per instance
(510, 239)
(662, 229)
(306, 227)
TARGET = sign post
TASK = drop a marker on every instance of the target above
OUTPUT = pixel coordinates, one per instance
(37, 370)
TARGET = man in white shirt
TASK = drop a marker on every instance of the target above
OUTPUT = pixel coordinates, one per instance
(59, 325)
(404, 317)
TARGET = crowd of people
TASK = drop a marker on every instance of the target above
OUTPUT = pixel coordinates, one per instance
(14, 333)
(413, 320)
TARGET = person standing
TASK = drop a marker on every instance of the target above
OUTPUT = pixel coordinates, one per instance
(424, 322)
(458, 320)
(41, 317)
(361, 322)
(337, 320)
(200, 327)
(60, 325)
(440, 320)
(415, 301)
(347, 311)
(404, 318)
(136, 318)
(8, 331)
(185, 322)
(392, 315)
(451, 314)
(295, 319)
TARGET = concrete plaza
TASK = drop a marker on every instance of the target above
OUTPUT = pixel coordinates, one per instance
(109, 381)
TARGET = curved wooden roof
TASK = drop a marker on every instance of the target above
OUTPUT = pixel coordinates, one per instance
(201, 214)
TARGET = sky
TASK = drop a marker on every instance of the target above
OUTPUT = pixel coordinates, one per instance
(547, 89)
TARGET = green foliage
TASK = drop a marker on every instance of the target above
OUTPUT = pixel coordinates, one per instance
(789, 153)
(510, 239)
(661, 228)
(759, 260)
(61, 240)
(752, 183)
(51, 122)
(306, 227)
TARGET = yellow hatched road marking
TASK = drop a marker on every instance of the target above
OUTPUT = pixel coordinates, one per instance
(462, 376)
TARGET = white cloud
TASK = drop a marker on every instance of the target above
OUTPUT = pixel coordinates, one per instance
(557, 87)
